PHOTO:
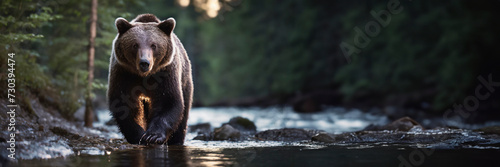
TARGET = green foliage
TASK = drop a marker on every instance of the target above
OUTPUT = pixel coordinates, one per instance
(50, 40)
(426, 47)
(66, 48)
(19, 23)
(266, 48)
(251, 54)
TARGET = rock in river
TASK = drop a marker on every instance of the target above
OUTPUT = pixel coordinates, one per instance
(226, 132)
(242, 124)
(402, 124)
(287, 134)
(238, 128)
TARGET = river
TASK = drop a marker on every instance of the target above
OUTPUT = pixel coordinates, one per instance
(275, 153)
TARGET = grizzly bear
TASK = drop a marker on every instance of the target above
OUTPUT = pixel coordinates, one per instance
(150, 83)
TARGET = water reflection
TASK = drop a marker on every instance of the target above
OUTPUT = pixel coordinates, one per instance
(348, 155)
(142, 157)
(214, 159)
(173, 156)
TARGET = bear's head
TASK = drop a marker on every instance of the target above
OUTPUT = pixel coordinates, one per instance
(145, 45)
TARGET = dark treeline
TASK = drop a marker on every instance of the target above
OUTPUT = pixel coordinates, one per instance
(427, 56)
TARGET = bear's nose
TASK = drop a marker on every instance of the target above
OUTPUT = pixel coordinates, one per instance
(144, 65)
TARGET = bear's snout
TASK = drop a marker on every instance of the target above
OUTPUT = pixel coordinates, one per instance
(144, 65)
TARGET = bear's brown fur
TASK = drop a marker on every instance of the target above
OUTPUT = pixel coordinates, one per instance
(150, 83)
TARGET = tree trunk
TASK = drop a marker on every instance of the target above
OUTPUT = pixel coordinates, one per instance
(89, 111)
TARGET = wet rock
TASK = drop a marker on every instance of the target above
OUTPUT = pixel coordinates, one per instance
(489, 130)
(64, 133)
(287, 134)
(323, 137)
(204, 131)
(402, 124)
(49, 135)
(202, 136)
(242, 124)
(237, 128)
(408, 131)
(200, 128)
(226, 132)
(442, 137)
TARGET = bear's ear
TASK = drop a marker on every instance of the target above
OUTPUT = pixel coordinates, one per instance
(167, 26)
(122, 25)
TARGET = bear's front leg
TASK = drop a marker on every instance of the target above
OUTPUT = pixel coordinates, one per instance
(124, 111)
(165, 119)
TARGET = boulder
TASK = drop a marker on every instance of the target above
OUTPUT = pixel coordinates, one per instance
(242, 124)
(226, 132)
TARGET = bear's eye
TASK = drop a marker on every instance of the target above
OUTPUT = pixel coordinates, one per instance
(153, 46)
(136, 46)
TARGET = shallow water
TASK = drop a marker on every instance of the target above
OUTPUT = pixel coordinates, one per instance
(332, 120)
(280, 156)
(274, 153)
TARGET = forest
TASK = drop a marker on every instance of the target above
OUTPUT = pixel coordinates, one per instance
(423, 55)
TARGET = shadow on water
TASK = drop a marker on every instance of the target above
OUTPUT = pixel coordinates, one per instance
(381, 155)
